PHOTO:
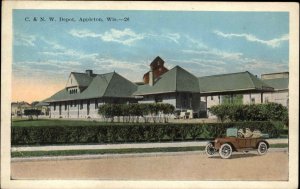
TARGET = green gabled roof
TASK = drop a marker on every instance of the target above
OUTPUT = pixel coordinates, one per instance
(42, 103)
(278, 83)
(83, 79)
(119, 87)
(102, 85)
(97, 87)
(60, 96)
(231, 82)
(175, 80)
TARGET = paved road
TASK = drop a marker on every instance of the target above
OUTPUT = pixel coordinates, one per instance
(193, 166)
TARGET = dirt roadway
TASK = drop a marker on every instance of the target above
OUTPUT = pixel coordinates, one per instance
(272, 166)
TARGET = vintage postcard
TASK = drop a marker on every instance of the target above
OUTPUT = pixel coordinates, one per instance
(149, 95)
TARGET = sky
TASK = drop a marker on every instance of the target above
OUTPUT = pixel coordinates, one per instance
(203, 43)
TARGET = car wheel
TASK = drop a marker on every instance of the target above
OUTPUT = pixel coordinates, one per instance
(262, 148)
(225, 151)
(210, 149)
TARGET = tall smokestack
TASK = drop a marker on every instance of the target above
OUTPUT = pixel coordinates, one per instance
(151, 77)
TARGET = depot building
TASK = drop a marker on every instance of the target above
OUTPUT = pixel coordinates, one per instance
(86, 91)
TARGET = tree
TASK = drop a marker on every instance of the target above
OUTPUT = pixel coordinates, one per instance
(32, 112)
(252, 112)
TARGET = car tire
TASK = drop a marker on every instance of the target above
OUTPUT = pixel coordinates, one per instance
(225, 151)
(210, 149)
(262, 148)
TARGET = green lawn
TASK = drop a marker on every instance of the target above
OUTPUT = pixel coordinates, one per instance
(104, 151)
(279, 145)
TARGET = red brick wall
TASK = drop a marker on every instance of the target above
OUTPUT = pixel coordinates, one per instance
(156, 73)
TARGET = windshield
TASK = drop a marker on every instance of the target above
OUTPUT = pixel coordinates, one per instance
(231, 132)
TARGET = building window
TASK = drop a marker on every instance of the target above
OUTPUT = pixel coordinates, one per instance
(81, 104)
(75, 103)
(252, 100)
(96, 104)
(72, 91)
(71, 103)
(54, 106)
(211, 97)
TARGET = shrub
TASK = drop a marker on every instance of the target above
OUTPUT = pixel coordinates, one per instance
(32, 112)
(133, 112)
(112, 133)
(253, 112)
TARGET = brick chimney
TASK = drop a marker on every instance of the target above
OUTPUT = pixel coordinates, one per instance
(89, 72)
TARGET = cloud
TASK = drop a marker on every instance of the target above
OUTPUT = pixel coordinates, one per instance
(195, 43)
(69, 53)
(125, 37)
(67, 59)
(53, 45)
(215, 53)
(252, 64)
(133, 70)
(58, 50)
(173, 37)
(56, 64)
(200, 67)
(252, 38)
(24, 40)
(215, 61)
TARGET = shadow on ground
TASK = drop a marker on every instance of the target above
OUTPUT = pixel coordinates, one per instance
(236, 156)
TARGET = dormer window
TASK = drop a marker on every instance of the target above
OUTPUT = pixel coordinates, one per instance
(73, 91)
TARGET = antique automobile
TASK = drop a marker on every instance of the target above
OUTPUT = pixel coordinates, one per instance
(242, 140)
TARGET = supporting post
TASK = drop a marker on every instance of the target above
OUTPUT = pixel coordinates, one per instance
(206, 106)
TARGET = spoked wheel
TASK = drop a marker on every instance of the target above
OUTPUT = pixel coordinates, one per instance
(225, 151)
(262, 148)
(210, 149)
